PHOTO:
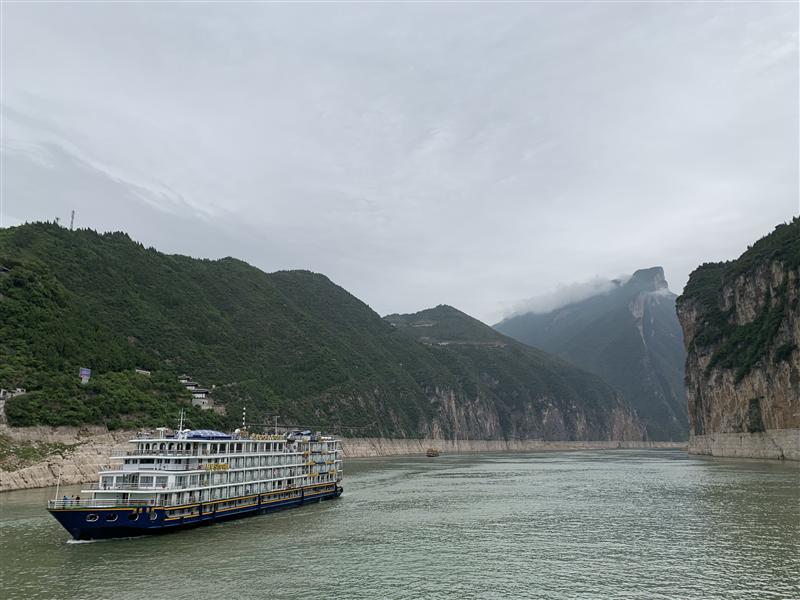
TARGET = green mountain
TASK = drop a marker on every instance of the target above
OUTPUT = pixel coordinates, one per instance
(631, 337)
(289, 343)
(530, 393)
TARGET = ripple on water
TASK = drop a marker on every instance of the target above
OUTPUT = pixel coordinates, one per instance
(596, 525)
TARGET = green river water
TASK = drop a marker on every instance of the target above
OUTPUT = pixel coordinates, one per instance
(595, 525)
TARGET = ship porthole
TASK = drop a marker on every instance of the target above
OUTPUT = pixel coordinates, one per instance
(133, 516)
(91, 518)
(153, 516)
(111, 517)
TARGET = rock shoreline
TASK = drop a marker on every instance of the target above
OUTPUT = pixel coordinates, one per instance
(93, 447)
(780, 444)
(375, 447)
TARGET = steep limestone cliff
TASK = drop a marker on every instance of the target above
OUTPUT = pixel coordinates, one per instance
(628, 335)
(506, 389)
(741, 326)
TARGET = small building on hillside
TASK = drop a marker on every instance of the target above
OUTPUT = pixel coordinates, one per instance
(142, 372)
(199, 394)
(203, 403)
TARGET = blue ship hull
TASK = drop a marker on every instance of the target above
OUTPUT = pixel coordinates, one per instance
(87, 523)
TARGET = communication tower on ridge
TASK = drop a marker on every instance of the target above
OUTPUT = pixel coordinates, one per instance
(72, 219)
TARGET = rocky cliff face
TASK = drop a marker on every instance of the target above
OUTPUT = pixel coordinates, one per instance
(506, 390)
(628, 335)
(543, 418)
(741, 325)
(69, 455)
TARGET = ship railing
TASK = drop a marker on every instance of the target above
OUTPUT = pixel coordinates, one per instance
(106, 503)
(137, 468)
(125, 452)
(135, 487)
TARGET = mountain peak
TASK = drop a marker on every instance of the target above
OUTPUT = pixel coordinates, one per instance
(447, 324)
(629, 335)
(652, 277)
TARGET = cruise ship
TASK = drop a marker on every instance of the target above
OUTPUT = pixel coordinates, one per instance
(166, 481)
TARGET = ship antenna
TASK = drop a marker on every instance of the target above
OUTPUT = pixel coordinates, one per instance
(58, 482)
(244, 415)
(180, 424)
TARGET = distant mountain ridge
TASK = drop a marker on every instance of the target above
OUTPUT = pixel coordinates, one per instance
(534, 394)
(290, 343)
(630, 336)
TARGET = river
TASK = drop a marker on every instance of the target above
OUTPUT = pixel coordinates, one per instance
(595, 525)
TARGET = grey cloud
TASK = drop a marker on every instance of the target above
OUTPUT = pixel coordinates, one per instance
(565, 294)
(470, 154)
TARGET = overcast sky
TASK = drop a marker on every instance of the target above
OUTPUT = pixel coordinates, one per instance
(417, 154)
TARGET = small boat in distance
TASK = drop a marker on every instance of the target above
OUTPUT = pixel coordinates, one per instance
(432, 453)
(170, 481)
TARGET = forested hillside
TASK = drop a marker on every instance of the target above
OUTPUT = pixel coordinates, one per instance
(533, 393)
(287, 343)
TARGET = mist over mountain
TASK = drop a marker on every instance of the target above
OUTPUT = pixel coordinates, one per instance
(628, 333)
(566, 294)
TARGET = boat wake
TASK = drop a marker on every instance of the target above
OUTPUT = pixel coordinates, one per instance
(116, 539)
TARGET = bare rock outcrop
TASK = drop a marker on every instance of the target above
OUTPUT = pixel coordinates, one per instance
(87, 451)
(741, 325)
(91, 449)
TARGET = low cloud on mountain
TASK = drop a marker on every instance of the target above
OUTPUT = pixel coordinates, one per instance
(566, 294)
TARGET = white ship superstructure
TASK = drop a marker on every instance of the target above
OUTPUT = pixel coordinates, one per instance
(190, 477)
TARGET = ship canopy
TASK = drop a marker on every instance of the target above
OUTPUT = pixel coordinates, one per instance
(207, 434)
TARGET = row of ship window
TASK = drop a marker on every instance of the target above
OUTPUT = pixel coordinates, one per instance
(223, 477)
(229, 492)
(112, 517)
(223, 448)
(238, 490)
(220, 478)
(234, 463)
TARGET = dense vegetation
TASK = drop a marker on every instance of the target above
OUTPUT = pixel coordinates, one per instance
(741, 347)
(289, 343)
(489, 364)
(641, 355)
